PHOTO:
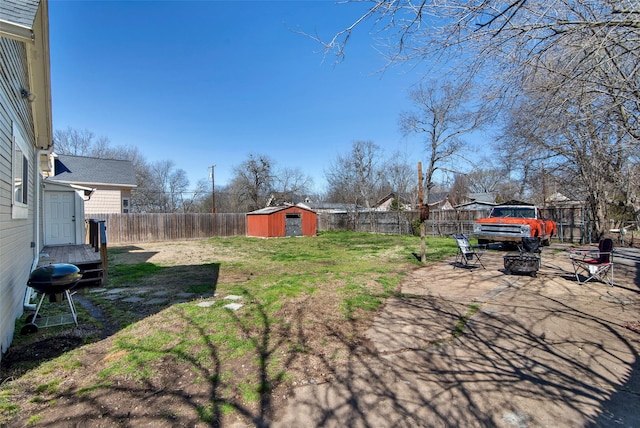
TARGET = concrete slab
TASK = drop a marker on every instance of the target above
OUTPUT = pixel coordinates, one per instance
(535, 352)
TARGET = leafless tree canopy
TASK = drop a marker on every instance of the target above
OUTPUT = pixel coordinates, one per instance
(253, 181)
(355, 177)
(442, 115)
(566, 71)
(161, 187)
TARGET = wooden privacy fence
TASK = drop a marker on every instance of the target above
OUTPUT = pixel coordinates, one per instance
(571, 224)
(131, 228)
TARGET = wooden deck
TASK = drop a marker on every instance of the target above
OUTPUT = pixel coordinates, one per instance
(74, 254)
(83, 256)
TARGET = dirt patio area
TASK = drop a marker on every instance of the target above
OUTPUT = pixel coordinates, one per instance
(536, 352)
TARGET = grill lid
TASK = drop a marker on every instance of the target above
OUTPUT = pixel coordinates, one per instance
(59, 276)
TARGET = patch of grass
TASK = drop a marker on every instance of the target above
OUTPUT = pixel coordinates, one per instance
(199, 288)
(250, 392)
(206, 414)
(50, 387)
(34, 419)
(247, 352)
(124, 273)
(461, 325)
(7, 408)
(89, 389)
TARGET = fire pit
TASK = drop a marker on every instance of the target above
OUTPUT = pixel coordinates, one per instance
(54, 281)
(521, 263)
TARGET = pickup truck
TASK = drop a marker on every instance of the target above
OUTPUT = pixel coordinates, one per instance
(511, 223)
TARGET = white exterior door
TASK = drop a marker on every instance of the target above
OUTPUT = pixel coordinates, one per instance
(60, 220)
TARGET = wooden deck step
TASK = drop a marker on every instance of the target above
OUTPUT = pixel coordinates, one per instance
(83, 256)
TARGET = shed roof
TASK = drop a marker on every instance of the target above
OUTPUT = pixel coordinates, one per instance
(88, 170)
(271, 210)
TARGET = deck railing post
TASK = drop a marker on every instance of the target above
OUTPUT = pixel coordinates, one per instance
(103, 250)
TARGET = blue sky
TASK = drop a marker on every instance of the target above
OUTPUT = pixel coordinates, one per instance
(209, 82)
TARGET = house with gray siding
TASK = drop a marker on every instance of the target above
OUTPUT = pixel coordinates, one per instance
(25, 145)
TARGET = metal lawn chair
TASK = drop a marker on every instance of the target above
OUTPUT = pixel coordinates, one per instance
(594, 264)
(468, 255)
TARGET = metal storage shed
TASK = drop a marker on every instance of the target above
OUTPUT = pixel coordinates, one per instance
(285, 220)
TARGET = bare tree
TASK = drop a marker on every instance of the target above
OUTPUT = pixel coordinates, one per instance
(563, 133)
(78, 142)
(497, 181)
(356, 176)
(442, 116)
(399, 176)
(253, 180)
(289, 184)
(459, 190)
(590, 47)
(165, 188)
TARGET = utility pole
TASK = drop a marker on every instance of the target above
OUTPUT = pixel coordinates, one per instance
(423, 245)
(213, 190)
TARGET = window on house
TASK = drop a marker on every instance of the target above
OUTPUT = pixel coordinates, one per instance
(125, 205)
(20, 172)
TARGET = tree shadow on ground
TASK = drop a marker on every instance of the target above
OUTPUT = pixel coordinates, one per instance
(511, 367)
(106, 310)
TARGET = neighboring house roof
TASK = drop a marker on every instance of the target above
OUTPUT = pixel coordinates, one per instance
(437, 198)
(475, 205)
(330, 206)
(94, 171)
(516, 202)
(483, 197)
(17, 17)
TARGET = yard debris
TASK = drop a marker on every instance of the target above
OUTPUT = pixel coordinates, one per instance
(633, 326)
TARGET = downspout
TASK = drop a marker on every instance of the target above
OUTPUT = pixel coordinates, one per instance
(36, 233)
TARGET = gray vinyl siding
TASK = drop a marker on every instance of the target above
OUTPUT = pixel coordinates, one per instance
(16, 235)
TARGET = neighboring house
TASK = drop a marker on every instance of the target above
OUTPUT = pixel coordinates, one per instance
(26, 138)
(111, 181)
(478, 201)
(392, 202)
(560, 200)
(439, 201)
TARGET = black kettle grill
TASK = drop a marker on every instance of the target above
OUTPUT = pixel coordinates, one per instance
(54, 281)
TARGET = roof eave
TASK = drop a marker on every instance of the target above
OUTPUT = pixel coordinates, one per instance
(92, 184)
(40, 77)
(15, 31)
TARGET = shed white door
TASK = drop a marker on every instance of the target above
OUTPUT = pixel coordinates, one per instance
(60, 220)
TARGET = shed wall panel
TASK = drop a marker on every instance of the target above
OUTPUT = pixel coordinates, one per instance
(273, 225)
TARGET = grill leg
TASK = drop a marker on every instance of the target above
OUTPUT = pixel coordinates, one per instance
(72, 306)
(35, 314)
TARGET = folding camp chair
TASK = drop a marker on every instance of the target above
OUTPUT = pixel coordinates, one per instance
(468, 255)
(594, 264)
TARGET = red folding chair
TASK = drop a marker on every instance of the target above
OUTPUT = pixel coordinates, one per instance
(594, 264)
